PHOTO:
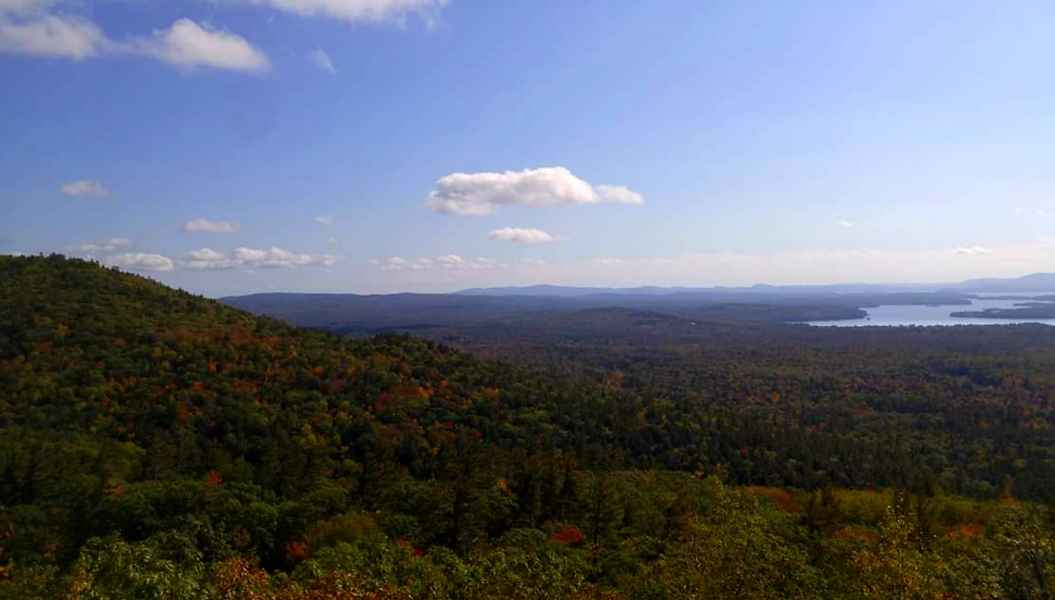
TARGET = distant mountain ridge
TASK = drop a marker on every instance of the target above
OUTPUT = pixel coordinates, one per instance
(560, 291)
(1035, 282)
(423, 313)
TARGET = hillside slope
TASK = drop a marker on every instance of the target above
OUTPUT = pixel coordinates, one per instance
(154, 444)
(131, 409)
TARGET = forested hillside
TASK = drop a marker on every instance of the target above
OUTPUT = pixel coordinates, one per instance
(154, 444)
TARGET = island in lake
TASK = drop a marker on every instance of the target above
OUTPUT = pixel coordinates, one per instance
(1038, 308)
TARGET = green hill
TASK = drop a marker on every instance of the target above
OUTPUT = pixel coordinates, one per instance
(155, 444)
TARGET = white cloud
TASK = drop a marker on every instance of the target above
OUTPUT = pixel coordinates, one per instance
(521, 235)
(325, 221)
(973, 251)
(393, 263)
(450, 260)
(207, 226)
(619, 194)
(477, 194)
(322, 60)
(535, 262)
(205, 255)
(845, 223)
(209, 259)
(447, 262)
(807, 266)
(54, 36)
(85, 188)
(355, 10)
(187, 45)
(141, 262)
(110, 245)
(24, 6)
(277, 257)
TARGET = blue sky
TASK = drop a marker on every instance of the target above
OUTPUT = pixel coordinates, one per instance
(230, 146)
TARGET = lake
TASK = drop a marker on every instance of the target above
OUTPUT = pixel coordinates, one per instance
(904, 316)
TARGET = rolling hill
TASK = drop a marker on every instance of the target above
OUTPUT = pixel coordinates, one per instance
(156, 444)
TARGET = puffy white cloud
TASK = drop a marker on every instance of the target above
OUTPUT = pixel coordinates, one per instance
(85, 188)
(55, 36)
(355, 10)
(973, 251)
(209, 259)
(477, 194)
(187, 45)
(110, 245)
(207, 226)
(521, 235)
(322, 60)
(326, 221)
(141, 262)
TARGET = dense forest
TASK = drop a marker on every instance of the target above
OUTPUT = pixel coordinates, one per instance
(155, 444)
(969, 408)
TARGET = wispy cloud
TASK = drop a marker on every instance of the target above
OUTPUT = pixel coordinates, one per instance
(618, 194)
(355, 10)
(806, 266)
(85, 188)
(322, 60)
(973, 250)
(207, 226)
(273, 258)
(447, 262)
(521, 235)
(25, 6)
(846, 224)
(110, 245)
(324, 221)
(477, 194)
(53, 36)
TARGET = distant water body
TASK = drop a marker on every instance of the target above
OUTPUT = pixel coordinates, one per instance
(919, 316)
